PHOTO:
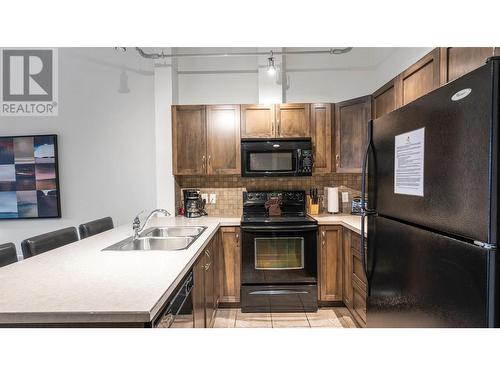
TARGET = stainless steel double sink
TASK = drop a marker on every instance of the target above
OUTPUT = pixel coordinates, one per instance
(160, 238)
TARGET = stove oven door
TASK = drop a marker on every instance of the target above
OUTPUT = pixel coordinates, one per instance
(279, 269)
(279, 255)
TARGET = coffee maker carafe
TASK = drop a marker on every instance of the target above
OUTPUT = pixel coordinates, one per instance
(194, 206)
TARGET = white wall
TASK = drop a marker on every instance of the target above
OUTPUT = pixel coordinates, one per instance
(311, 78)
(218, 88)
(106, 140)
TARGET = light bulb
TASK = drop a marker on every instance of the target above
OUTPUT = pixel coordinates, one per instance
(271, 69)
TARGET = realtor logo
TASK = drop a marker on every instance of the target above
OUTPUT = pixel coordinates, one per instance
(29, 82)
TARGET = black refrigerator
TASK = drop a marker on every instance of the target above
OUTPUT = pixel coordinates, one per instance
(432, 208)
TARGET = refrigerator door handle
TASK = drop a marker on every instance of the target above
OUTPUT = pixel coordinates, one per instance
(364, 211)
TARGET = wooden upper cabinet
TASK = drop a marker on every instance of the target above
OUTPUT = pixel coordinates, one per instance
(292, 120)
(330, 263)
(384, 100)
(189, 139)
(419, 79)
(257, 121)
(457, 61)
(223, 139)
(321, 134)
(351, 130)
(287, 120)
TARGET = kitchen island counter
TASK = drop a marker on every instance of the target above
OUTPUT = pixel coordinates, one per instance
(81, 284)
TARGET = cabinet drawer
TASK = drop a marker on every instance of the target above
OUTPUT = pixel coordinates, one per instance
(359, 302)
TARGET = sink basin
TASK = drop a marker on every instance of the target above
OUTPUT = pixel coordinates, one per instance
(153, 243)
(173, 232)
(161, 238)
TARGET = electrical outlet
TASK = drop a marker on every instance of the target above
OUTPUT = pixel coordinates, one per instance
(345, 197)
(213, 198)
(204, 196)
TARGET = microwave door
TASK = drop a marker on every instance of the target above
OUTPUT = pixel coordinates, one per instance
(282, 162)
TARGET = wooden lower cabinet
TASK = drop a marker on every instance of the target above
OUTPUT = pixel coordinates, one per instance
(358, 281)
(198, 292)
(230, 265)
(210, 299)
(347, 268)
(206, 286)
(330, 263)
(358, 309)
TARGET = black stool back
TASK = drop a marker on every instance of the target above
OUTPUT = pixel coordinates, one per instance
(48, 241)
(7, 254)
(95, 227)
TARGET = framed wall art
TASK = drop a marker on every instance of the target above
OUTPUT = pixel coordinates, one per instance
(29, 179)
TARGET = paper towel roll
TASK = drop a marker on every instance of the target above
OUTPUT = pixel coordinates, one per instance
(333, 200)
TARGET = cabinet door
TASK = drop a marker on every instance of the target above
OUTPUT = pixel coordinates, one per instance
(347, 268)
(351, 131)
(217, 264)
(198, 292)
(210, 302)
(321, 129)
(358, 272)
(223, 139)
(292, 120)
(257, 121)
(231, 265)
(359, 303)
(419, 79)
(457, 61)
(189, 139)
(330, 263)
(384, 100)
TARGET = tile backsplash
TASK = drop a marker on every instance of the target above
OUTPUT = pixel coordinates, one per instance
(229, 189)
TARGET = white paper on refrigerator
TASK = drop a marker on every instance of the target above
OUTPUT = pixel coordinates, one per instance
(409, 163)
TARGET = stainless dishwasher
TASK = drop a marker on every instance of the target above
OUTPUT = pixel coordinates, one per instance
(178, 313)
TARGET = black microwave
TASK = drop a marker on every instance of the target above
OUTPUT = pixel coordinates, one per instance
(276, 157)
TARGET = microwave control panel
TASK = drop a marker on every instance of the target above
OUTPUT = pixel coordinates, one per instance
(306, 161)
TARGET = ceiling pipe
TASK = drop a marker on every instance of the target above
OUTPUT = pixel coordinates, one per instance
(162, 55)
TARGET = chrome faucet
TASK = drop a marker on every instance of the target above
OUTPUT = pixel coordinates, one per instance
(136, 225)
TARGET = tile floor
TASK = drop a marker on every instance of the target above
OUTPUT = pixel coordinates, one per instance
(335, 317)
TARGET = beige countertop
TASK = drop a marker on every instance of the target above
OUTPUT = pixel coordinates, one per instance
(351, 222)
(79, 283)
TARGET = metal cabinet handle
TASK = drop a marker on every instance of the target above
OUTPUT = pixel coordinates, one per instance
(203, 162)
(209, 157)
(167, 320)
(207, 266)
(337, 158)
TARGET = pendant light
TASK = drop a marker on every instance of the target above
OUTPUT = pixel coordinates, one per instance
(271, 68)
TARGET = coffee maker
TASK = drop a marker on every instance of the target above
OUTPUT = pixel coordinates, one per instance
(194, 206)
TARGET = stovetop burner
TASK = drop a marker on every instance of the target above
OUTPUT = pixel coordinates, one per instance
(292, 208)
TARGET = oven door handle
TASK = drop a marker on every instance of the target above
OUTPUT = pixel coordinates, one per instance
(278, 292)
(302, 228)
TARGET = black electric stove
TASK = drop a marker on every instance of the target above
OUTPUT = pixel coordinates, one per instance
(279, 254)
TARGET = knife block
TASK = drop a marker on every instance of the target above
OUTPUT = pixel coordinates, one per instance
(312, 209)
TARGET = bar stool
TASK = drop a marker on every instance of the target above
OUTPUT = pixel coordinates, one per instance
(95, 227)
(8, 254)
(48, 241)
